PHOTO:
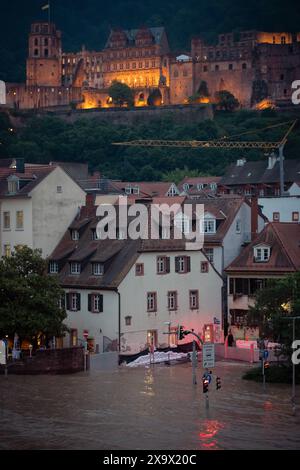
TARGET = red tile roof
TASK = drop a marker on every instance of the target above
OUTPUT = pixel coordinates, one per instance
(284, 240)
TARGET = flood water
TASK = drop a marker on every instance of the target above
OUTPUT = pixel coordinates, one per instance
(145, 408)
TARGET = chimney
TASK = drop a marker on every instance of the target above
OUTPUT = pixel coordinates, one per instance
(254, 217)
(90, 204)
(20, 165)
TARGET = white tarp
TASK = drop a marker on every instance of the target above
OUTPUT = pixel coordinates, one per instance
(2, 352)
(2, 92)
(156, 358)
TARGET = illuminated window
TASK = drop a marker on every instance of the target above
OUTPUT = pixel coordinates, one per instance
(6, 220)
(73, 338)
(194, 299)
(7, 251)
(19, 220)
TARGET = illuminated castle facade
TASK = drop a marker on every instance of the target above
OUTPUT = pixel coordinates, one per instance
(254, 66)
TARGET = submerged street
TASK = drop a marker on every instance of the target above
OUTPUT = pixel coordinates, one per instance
(146, 408)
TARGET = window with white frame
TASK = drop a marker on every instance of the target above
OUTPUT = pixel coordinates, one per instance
(98, 269)
(182, 222)
(97, 303)
(74, 301)
(194, 299)
(213, 186)
(172, 191)
(181, 260)
(53, 267)
(19, 220)
(13, 185)
(151, 301)
(186, 187)
(238, 226)
(75, 268)
(208, 225)
(6, 220)
(162, 264)
(75, 235)
(172, 300)
(262, 253)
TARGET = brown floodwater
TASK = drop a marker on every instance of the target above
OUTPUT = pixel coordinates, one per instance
(146, 408)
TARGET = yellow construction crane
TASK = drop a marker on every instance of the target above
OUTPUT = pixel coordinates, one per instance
(225, 143)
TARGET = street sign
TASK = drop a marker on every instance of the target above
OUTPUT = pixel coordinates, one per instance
(217, 321)
(208, 357)
(2, 353)
(266, 354)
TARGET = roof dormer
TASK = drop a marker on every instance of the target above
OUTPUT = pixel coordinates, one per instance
(13, 184)
(261, 253)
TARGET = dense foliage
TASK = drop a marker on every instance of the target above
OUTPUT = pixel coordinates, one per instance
(29, 297)
(274, 304)
(89, 140)
(88, 22)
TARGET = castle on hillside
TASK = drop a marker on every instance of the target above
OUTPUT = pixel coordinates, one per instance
(257, 67)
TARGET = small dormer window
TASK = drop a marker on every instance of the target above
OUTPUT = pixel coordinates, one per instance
(98, 269)
(13, 185)
(186, 187)
(75, 235)
(75, 268)
(213, 186)
(199, 186)
(262, 254)
(208, 225)
(53, 267)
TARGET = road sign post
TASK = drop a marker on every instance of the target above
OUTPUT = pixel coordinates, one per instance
(208, 355)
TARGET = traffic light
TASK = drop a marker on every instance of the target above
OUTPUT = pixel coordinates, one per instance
(218, 383)
(205, 384)
(180, 332)
(266, 365)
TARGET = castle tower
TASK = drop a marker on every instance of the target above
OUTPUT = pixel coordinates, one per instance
(43, 66)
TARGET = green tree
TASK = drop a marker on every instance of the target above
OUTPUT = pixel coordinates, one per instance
(29, 297)
(226, 100)
(273, 304)
(121, 94)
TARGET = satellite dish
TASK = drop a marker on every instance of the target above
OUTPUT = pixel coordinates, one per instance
(2, 92)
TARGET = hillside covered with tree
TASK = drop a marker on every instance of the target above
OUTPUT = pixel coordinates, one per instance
(90, 140)
(88, 22)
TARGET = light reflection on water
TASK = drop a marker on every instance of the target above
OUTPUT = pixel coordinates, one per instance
(145, 408)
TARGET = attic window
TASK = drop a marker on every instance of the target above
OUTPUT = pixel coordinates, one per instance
(53, 267)
(75, 235)
(262, 254)
(75, 268)
(186, 187)
(98, 269)
(13, 185)
(208, 225)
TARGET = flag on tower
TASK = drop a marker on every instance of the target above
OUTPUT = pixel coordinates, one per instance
(46, 7)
